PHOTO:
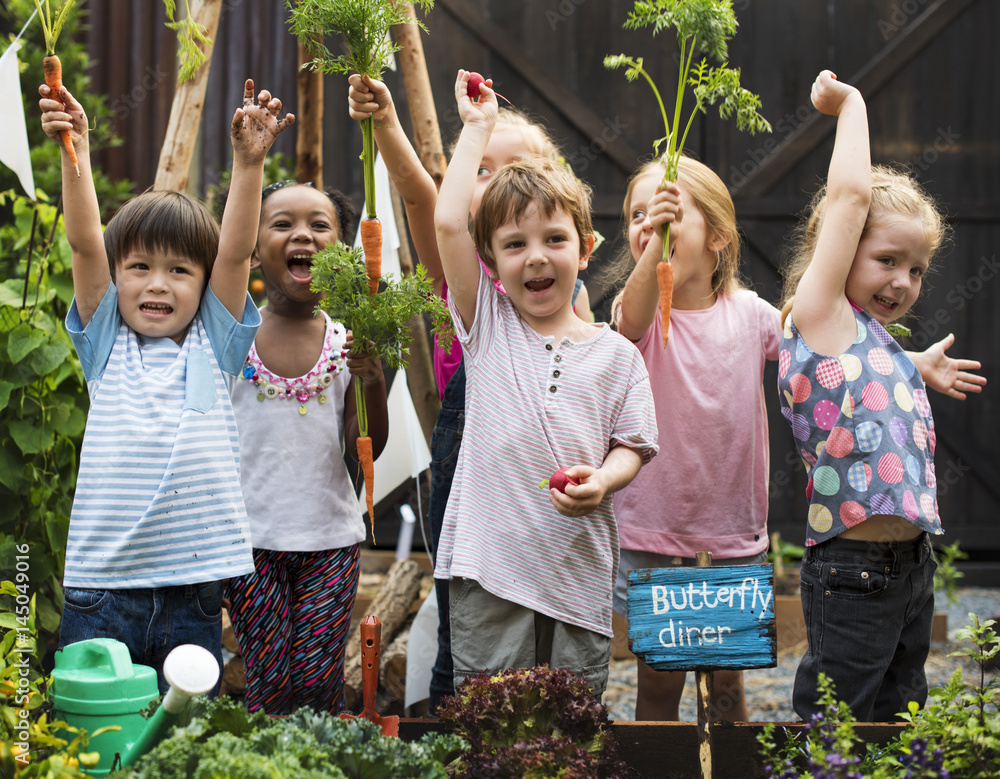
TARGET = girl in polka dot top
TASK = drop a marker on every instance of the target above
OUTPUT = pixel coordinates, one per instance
(857, 405)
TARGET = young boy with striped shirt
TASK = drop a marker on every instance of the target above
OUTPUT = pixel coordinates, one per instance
(532, 571)
(162, 322)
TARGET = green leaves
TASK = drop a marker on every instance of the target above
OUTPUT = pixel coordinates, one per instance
(381, 319)
(191, 36)
(52, 24)
(364, 25)
(700, 24)
(711, 23)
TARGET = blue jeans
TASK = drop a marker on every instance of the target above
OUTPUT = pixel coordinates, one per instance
(149, 621)
(445, 442)
(868, 609)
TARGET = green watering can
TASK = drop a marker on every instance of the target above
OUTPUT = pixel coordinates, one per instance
(95, 684)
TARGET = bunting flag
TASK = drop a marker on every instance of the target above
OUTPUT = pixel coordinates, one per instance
(14, 152)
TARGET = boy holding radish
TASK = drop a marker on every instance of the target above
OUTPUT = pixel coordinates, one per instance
(532, 572)
(515, 137)
(162, 322)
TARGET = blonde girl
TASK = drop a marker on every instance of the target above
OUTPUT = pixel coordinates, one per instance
(707, 489)
(860, 417)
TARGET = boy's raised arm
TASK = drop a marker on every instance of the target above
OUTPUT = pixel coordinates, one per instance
(366, 98)
(253, 130)
(451, 217)
(82, 215)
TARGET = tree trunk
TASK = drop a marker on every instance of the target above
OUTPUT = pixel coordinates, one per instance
(427, 141)
(309, 123)
(426, 132)
(174, 167)
(420, 366)
(392, 606)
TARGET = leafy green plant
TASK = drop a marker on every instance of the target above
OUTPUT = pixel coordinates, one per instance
(223, 739)
(364, 26)
(191, 36)
(700, 24)
(43, 399)
(33, 744)
(947, 574)
(956, 735)
(531, 722)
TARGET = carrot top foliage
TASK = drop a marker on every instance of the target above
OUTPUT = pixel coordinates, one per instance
(378, 320)
(364, 25)
(52, 24)
(705, 25)
(191, 36)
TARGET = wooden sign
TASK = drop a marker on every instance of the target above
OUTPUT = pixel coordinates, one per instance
(688, 619)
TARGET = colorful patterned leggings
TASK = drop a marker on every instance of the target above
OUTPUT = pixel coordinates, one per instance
(291, 618)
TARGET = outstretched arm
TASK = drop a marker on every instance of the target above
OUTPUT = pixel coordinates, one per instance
(947, 375)
(82, 214)
(822, 312)
(253, 130)
(366, 98)
(451, 217)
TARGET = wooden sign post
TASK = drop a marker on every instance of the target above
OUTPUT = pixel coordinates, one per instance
(703, 619)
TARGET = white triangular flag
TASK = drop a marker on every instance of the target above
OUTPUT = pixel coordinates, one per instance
(14, 152)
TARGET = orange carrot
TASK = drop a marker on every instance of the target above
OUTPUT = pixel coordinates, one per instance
(665, 281)
(371, 242)
(53, 80)
(367, 461)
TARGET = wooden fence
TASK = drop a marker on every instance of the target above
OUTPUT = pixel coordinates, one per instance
(925, 67)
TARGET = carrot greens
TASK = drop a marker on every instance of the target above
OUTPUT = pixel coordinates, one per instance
(191, 37)
(705, 25)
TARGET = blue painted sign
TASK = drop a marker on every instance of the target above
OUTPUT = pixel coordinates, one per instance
(703, 619)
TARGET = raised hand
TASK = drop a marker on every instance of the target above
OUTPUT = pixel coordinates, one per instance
(829, 95)
(256, 125)
(61, 112)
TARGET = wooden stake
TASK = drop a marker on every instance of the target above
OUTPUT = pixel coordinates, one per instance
(309, 123)
(426, 132)
(705, 689)
(174, 167)
(427, 142)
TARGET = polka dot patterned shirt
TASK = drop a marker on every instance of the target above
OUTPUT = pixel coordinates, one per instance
(862, 425)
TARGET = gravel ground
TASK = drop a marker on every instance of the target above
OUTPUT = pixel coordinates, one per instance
(769, 690)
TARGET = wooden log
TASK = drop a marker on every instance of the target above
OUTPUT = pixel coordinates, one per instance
(174, 167)
(392, 606)
(309, 123)
(394, 664)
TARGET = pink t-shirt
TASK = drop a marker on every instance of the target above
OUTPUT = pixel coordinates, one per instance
(707, 489)
(445, 363)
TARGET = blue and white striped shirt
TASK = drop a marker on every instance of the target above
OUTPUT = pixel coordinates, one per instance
(158, 500)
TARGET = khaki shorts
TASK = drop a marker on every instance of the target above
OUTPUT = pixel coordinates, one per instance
(492, 634)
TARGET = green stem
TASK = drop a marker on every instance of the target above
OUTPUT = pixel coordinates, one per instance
(368, 156)
(659, 100)
(359, 395)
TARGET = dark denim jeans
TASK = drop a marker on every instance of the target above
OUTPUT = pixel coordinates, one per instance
(868, 609)
(445, 442)
(149, 621)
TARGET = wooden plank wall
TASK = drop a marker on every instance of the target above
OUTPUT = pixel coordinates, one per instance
(936, 108)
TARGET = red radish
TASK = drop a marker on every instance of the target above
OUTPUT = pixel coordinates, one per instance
(559, 480)
(475, 81)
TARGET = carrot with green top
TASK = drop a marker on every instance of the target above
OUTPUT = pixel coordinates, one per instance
(51, 27)
(700, 24)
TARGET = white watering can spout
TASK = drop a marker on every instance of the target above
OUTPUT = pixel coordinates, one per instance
(190, 670)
